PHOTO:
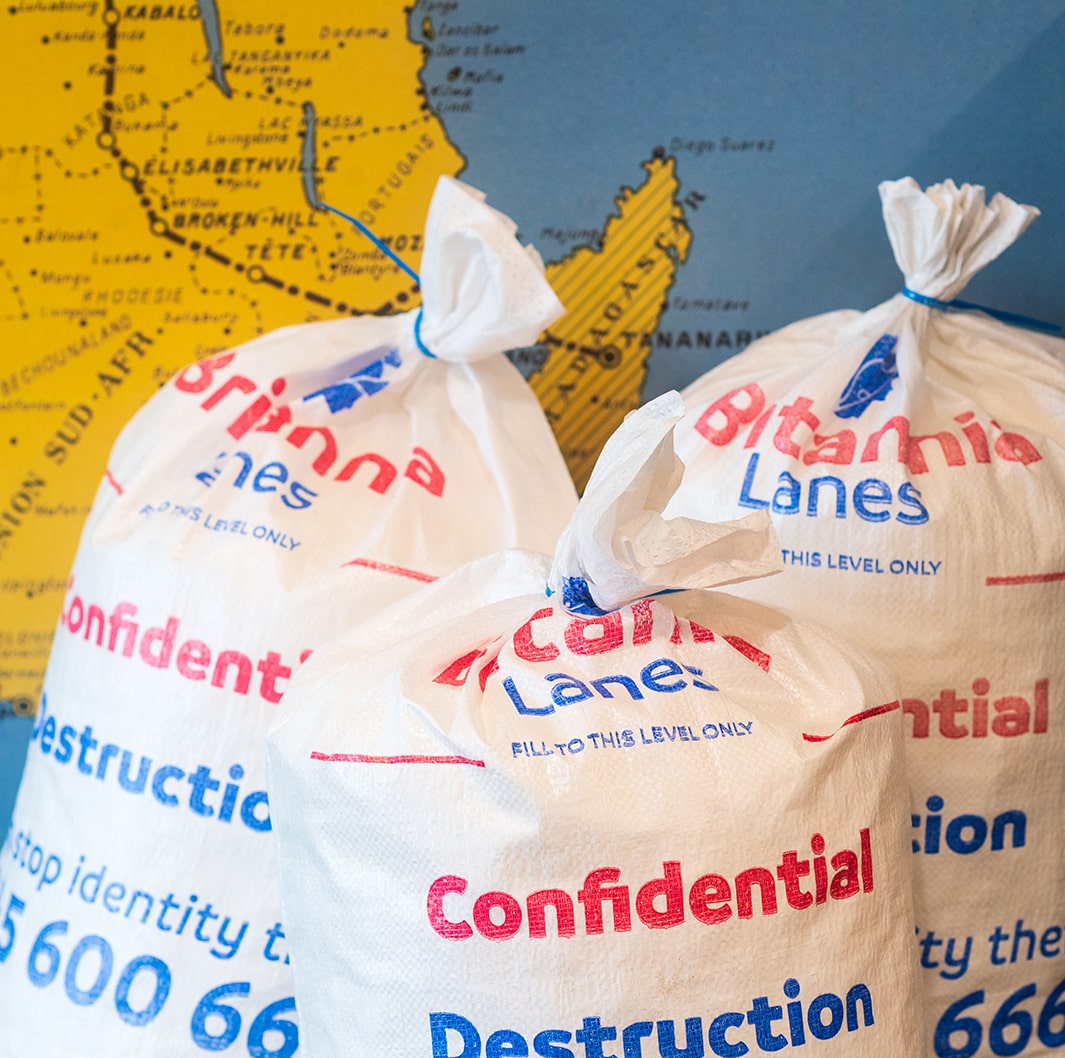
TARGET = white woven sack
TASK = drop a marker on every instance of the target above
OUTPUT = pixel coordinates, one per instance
(649, 824)
(913, 460)
(264, 500)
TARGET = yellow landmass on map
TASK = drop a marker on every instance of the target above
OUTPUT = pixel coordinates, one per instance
(158, 169)
(614, 295)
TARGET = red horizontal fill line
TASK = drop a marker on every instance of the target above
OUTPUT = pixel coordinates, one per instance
(877, 710)
(406, 758)
(111, 481)
(384, 567)
(1031, 578)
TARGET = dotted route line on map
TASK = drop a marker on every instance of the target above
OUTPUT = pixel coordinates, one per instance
(201, 285)
(50, 156)
(158, 225)
(12, 282)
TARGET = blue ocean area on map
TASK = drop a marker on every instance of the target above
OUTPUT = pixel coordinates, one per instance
(783, 125)
(14, 738)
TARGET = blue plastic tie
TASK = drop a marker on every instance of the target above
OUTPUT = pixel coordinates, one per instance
(1012, 318)
(577, 597)
(418, 336)
(386, 250)
(396, 260)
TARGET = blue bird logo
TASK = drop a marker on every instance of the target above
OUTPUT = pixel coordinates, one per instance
(365, 382)
(872, 381)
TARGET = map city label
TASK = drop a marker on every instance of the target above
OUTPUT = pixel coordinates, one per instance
(236, 166)
(134, 296)
(154, 12)
(96, 120)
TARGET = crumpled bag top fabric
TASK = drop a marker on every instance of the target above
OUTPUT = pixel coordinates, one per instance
(482, 291)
